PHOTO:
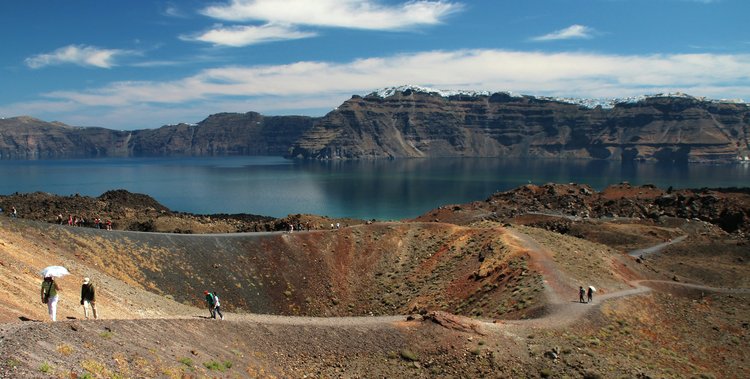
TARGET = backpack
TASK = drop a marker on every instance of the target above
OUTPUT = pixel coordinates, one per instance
(45, 298)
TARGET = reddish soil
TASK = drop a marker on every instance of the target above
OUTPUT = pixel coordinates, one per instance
(489, 294)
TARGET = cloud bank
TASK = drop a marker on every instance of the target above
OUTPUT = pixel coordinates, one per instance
(245, 35)
(292, 88)
(281, 19)
(355, 14)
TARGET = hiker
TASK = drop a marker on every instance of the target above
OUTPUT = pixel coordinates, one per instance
(590, 294)
(13, 212)
(210, 302)
(581, 294)
(88, 298)
(217, 306)
(50, 297)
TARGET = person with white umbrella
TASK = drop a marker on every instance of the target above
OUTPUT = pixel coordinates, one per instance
(50, 289)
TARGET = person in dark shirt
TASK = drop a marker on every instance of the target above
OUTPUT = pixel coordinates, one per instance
(88, 298)
(210, 302)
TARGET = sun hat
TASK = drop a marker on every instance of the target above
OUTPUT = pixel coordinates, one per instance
(86, 280)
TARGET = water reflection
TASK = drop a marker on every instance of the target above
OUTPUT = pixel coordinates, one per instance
(380, 189)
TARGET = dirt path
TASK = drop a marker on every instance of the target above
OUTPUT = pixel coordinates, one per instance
(563, 311)
(656, 248)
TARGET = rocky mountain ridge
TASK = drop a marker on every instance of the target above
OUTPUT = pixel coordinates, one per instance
(416, 122)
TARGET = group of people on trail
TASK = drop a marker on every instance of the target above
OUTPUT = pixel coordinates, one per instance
(214, 306)
(51, 295)
(291, 227)
(80, 221)
(588, 294)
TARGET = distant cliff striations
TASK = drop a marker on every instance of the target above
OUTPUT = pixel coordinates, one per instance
(408, 122)
(414, 123)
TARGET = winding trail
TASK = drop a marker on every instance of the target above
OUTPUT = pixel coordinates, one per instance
(561, 310)
(558, 286)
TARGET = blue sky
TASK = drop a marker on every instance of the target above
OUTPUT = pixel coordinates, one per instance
(142, 64)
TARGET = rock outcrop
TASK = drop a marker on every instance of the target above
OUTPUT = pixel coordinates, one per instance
(728, 208)
(414, 123)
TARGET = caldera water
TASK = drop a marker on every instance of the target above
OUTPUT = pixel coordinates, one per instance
(381, 189)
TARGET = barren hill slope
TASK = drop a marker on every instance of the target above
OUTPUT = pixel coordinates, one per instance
(495, 301)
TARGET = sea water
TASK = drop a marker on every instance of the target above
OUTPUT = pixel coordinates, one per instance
(381, 189)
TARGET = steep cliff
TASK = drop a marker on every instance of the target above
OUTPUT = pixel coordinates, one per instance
(420, 123)
(223, 134)
(30, 138)
(220, 134)
(416, 122)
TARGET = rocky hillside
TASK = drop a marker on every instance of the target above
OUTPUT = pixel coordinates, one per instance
(138, 212)
(728, 209)
(418, 123)
(220, 134)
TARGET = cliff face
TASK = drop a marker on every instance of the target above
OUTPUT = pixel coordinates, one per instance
(223, 134)
(412, 123)
(220, 134)
(418, 124)
(30, 138)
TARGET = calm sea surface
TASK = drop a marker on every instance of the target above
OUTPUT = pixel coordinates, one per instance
(381, 190)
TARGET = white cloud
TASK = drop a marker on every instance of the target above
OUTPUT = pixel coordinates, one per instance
(324, 85)
(238, 36)
(77, 54)
(571, 32)
(356, 14)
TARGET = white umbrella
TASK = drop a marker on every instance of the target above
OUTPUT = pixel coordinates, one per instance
(55, 271)
(592, 288)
